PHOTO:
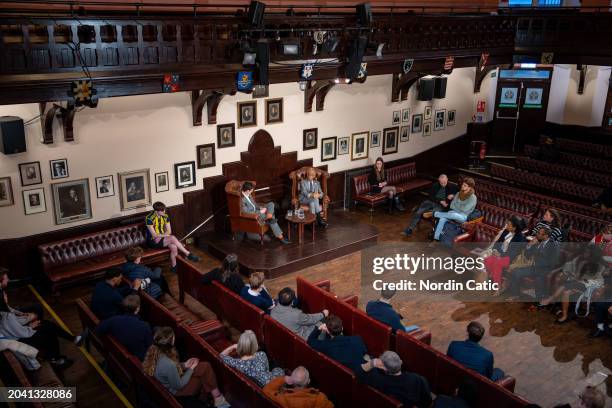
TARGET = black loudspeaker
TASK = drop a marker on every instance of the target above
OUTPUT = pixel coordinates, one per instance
(356, 54)
(426, 89)
(256, 13)
(12, 135)
(440, 87)
(263, 60)
(364, 14)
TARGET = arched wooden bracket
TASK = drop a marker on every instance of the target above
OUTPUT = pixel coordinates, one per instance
(211, 98)
(402, 83)
(481, 75)
(67, 119)
(46, 120)
(318, 90)
(582, 69)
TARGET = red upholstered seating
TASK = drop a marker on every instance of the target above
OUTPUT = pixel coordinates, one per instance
(496, 216)
(482, 235)
(85, 257)
(361, 192)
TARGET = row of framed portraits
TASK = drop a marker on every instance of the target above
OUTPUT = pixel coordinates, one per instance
(442, 118)
(357, 145)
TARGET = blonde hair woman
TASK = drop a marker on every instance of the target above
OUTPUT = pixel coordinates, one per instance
(251, 362)
(192, 378)
(256, 293)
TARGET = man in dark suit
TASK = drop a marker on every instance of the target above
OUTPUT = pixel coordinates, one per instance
(107, 295)
(472, 355)
(382, 310)
(347, 350)
(265, 214)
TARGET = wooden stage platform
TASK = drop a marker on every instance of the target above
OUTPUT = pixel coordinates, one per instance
(343, 236)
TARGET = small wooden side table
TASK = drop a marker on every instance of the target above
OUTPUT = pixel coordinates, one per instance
(309, 218)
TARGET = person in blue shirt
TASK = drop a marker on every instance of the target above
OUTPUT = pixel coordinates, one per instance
(133, 269)
(472, 355)
(382, 310)
(256, 293)
(108, 295)
(128, 328)
(347, 350)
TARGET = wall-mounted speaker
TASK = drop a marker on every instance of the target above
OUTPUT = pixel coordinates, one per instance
(256, 13)
(12, 135)
(440, 87)
(364, 14)
(426, 89)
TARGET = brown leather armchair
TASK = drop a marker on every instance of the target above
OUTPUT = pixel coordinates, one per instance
(239, 221)
(296, 176)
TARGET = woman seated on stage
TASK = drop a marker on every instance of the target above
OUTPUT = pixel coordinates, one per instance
(505, 247)
(378, 184)
(551, 220)
(228, 274)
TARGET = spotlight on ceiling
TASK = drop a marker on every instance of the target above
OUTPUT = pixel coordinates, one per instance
(291, 47)
(249, 58)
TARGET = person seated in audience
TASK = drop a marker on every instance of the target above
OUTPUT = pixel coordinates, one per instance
(591, 397)
(256, 293)
(128, 328)
(466, 396)
(293, 318)
(311, 194)
(25, 313)
(159, 235)
(265, 214)
(292, 391)
(440, 196)
(386, 375)
(588, 268)
(603, 239)
(602, 311)
(604, 201)
(460, 208)
(347, 350)
(552, 221)
(253, 363)
(192, 378)
(505, 248)
(155, 283)
(40, 334)
(108, 294)
(545, 254)
(379, 184)
(382, 310)
(228, 274)
(549, 151)
(471, 354)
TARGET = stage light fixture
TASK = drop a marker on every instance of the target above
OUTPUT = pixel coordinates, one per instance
(290, 47)
(337, 80)
(330, 44)
(249, 58)
(379, 50)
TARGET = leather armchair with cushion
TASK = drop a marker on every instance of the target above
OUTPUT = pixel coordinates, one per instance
(302, 173)
(241, 222)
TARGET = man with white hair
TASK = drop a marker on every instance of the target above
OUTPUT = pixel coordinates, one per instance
(440, 195)
(292, 391)
(386, 375)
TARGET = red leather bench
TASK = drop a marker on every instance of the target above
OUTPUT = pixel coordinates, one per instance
(496, 216)
(580, 223)
(85, 257)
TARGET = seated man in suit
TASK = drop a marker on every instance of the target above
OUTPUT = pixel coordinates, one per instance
(347, 350)
(311, 194)
(472, 355)
(382, 310)
(249, 206)
(293, 318)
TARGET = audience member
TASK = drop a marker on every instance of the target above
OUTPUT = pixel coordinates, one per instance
(379, 184)
(440, 196)
(155, 283)
(552, 221)
(591, 397)
(603, 239)
(254, 364)
(347, 350)
(549, 151)
(471, 354)
(256, 293)
(159, 235)
(293, 318)
(466, 396)
(505, 248)
(25, 313)
(382, 310)
(604, 201)
(292, 391)
(385, 374)
(460, 208)
(108, 294)
(602, 310)
(228, 274)
(128, 328)
(265, 214)
(311, 194)
(192, 378)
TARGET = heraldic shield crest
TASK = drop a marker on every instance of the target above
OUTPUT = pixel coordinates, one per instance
(407, 65)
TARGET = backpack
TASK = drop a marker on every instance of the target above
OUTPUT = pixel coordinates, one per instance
(449, 232)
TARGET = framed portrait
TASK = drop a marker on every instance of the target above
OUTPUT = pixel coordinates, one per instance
(162, 182)
(6, 192)
(405, 115)
(30, 173)
(247, 114)
(417, 123)
(206, 155)
(390, 136)
(71, 201)
(184, 174)
(450, 119)
(34, 201)
(439, 119)
(427, 129)
(310, 138)
(427, 112)
(105, 186)
(359, 145)
(274, 110)
(134, 189)
(396, 117)
(404, 133)
(260, 91)
(375, 139)
(226, 135)
(328, 148)
(59, 168)
(343, 146)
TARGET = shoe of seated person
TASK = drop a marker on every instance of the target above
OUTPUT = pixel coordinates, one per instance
(193, 258)
(598, 333)
(407, 232)
(61, 362)
(285, 241)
